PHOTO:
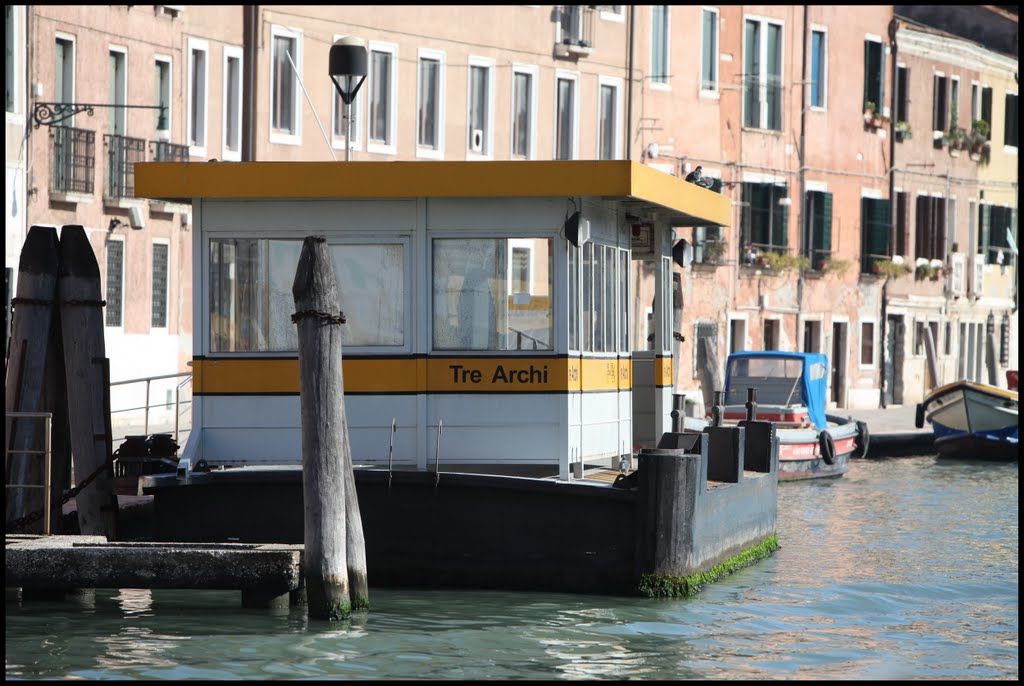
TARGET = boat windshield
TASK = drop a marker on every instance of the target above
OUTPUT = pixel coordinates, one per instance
(777, 380)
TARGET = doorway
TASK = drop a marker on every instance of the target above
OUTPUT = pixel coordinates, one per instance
(838, 380)
(894, 355)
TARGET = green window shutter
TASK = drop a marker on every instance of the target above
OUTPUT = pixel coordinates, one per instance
(984, 228)
(881, 78)
(865, 261)
(825, 222)
(882, 227)
(867, 78)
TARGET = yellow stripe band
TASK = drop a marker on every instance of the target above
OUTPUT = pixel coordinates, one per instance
(391, 375)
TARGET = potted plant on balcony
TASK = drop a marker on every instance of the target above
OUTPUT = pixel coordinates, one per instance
(872, 117)
(714, 249)
(937, 269)
(903, 131)
(893, 268)
(978, 139)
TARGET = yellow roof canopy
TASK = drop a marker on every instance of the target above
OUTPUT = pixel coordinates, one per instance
(647, 191)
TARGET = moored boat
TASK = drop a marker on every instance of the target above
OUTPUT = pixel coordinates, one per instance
(790, 390)
(972, 420)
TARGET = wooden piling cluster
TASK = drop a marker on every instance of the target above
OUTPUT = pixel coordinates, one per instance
(335, 552)
(57, 363)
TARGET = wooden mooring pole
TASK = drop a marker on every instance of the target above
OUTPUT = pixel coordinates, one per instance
(26, 370)
(707, 371)
(81, 320)
(335, 554)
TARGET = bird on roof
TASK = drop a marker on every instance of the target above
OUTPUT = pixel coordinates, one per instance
(696, 177)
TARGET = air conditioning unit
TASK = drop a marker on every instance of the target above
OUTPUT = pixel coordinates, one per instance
(476, 141)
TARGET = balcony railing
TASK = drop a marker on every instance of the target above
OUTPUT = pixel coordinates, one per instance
(74, 160)
(162, 151)
(122, 154)
(577, 28)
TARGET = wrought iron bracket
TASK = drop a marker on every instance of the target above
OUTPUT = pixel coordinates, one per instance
(52, 113)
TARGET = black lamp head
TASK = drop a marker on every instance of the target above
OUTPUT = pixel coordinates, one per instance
(347, 67)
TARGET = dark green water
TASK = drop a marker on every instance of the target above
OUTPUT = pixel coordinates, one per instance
(902, 569)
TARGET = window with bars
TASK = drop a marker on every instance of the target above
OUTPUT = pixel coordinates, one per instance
(115, 282)
(158, 318)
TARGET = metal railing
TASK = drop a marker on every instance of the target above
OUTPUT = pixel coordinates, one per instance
(163, 151)
(74, 160)
(47, 456)
(122, 154)
(138, 419)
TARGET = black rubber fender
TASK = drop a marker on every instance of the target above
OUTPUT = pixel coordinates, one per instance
(919, 416)
(827, 446)
(863, 439)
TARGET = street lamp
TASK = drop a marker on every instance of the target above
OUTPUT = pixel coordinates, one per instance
(348, 71)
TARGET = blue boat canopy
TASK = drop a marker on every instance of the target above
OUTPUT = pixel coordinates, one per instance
(781, 378)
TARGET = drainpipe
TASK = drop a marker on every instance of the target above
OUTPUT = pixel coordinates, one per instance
(250, 57)
(800, 189)
(629, 89)
(893, 26)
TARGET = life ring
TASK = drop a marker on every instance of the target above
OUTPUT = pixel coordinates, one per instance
(863, 439)
(827, 447)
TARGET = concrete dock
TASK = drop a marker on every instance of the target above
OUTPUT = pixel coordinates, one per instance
(892, 431)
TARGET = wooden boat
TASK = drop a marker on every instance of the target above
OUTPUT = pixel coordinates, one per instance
(790, 390)
(972, 420)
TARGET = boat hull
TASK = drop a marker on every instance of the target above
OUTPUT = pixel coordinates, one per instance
(973, 421)
(800, 453)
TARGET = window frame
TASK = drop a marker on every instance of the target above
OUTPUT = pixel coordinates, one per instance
(533, 72)
(198, 148)
(574, 78)
(167, 284)
(489, 64)
(119, 115)
(165, 133)
(662, 82)
(120, 286)
(762, 77)
(15, 66)
(232, 52)
(883, 53)
(281, 136)
(1008, 147)
(440, 57)
(867, 321)
(716, 57)
(616, 84)
(823, 85)
(390, 144)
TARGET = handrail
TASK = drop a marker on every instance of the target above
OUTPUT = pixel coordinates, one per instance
(46, 452)
(186, 378)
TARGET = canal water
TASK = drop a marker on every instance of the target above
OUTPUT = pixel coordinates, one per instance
(902, 569)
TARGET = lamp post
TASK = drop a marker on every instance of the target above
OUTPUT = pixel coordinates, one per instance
(347, 69)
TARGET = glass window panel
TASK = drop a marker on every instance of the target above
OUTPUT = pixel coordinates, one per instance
(623, 280)
(478, 98)
(284, 86)
(817, 68)
(607, 123)
(371, 292)
(574, 297)
(428, 114)
(709, 53)
(587, 290)
(659, 43)
(565, 116)
(521, 119)
(475, 307)
(380, 96)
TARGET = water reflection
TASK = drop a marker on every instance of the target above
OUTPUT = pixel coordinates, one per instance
(902, 569)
